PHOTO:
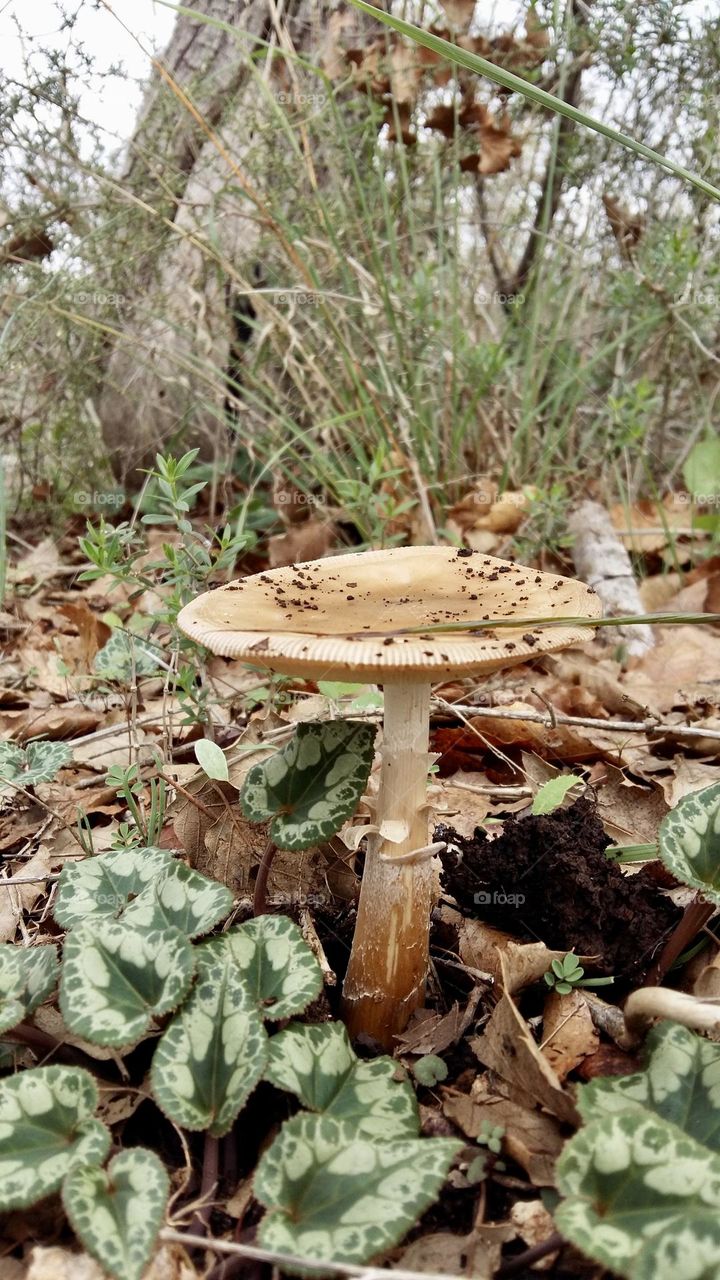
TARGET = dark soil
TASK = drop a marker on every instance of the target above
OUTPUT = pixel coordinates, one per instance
(548, 878)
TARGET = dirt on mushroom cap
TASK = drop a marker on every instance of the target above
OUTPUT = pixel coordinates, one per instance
(309, 618)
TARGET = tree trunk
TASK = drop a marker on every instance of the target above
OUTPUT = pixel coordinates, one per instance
(194, 186)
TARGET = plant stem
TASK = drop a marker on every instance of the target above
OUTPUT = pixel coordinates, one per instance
(261, 883)
(388, 965)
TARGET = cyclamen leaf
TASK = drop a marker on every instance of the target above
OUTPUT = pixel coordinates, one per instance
(333, 1195)
(117, 1213)
(38, 762)
(124, 654)
(275, 963)
(681, 1084)
(115, 979)
(645, 1170)
(689, 840)
(47, 1126)
(214, 1052)
(27, 976)
(103, 885)
(313, 785)
(628, 1177)
(318, 1065)
(180, 898)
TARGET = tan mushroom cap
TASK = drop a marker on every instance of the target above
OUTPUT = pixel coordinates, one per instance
(309, 619)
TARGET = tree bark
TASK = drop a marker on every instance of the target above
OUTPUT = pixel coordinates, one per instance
(197, 214)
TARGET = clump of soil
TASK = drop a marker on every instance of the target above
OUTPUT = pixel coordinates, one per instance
(547, 878)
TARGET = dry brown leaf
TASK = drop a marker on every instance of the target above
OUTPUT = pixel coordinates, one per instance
(507, 1047)
(38, 564)
(432, 1032)
(569, 1033)
(480, 947)
(563, 742)
(456, 802)
(532, 1138)
(631, 814)
(477, 1254)
(626, 227)
(15, 900)
(657, 591)
(309, 541)
(62, 1264)
(649, 526)
(681, 671)
(93, 633)
(459, 13)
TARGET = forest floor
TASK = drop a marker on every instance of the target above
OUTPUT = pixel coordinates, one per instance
(524, 884)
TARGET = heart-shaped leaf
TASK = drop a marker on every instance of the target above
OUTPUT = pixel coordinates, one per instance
(313, 785)
(38, 762)
(27, 976)
(181, 899)
(103, 886)
(117, 1213)
(318, 1065)
(214, 1051)
(275, 963)
(47, 1126)
(336, 1196)
(689, 839)
(116, 978)
(627, 1178)
(126, 655)
(644, 1173)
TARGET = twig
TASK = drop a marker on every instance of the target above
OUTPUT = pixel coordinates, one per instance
(290, 1261)
(261, 883)
(524, 1260)
(621, 726)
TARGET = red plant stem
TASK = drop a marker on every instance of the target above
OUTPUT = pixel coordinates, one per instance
(261, 883)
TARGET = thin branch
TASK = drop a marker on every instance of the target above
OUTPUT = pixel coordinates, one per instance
(655, 727)
(290, 1261)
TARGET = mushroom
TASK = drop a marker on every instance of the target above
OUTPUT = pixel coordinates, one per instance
(356, 618)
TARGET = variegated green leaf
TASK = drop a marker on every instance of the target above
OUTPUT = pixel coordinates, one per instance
(38, 762)
(313, 785)
(318, 1065)
(646, 1168)
(275, 963)
(104, 885)
(125, 654)
(681, 1083)
(628, 1177)
(117, 1213)
(47, 1126)
(27, 976)
(333, 1195)
(689, 841)
(116, 978)
(214, 1051)
(182, 899)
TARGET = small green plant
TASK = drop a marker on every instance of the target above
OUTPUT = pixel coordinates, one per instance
(552, 793)
(641, 1179)
(430, 1070)
(566, 975)
(146, 821)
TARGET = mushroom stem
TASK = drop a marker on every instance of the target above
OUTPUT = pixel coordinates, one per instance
(388, 965)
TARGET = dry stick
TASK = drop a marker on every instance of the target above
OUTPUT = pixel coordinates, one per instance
(291, 1261)
(588, 722)
(261, 883)
(553, 1244)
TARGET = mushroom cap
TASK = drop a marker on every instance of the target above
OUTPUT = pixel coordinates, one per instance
(310, 619)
